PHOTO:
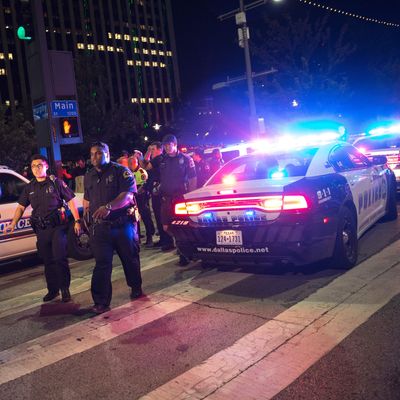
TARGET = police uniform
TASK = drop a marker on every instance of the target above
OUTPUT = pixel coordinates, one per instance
(143, 198)
(50, 224)
(175, 173)
(117, 232)
(202, 172)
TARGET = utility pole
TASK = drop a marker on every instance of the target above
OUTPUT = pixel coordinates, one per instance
(244, 36)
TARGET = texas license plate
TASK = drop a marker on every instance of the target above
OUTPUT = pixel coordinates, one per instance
(229, 238)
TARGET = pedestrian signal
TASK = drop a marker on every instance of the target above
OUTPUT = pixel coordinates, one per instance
(69, 127)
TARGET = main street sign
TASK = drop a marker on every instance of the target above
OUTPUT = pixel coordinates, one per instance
(64, 108)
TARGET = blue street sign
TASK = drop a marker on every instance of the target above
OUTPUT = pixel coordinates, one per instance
(40, 111)
(64, 108)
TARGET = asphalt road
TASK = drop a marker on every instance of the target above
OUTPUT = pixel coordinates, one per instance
(191, 319)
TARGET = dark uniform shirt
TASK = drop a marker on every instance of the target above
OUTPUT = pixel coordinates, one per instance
(45, 197)
(103, 187)
(202, 172)
(175, 173)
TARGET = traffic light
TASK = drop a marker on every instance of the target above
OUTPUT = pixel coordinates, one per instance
(69, 127)
(25, 19)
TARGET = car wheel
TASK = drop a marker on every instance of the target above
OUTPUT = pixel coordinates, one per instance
(346, 246)
(78, 246)
(391, 204)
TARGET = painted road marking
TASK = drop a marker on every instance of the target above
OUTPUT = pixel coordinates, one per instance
(265, 361)
(48, 349)
(78, 285)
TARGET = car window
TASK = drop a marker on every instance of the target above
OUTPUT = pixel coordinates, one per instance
(10, 188)
(347, 158)
(264, 166)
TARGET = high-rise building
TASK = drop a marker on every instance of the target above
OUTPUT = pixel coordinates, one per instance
(133, 40)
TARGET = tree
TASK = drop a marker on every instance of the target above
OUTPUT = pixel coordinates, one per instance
(310, 60)
(17, 140)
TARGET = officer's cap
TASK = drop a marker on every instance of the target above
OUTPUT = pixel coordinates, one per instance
(169, 139)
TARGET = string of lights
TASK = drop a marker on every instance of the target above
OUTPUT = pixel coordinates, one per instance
(349, 14)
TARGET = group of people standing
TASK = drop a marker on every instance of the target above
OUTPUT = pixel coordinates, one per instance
(112, 193)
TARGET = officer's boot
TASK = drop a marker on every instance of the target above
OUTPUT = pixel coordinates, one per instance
(65, 295)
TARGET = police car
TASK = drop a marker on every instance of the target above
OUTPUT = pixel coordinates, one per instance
(22, 242)
(383, 141)
(297, 205)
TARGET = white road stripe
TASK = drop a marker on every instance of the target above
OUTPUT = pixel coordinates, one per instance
(48, 349)
(78, 285)
(265, 361)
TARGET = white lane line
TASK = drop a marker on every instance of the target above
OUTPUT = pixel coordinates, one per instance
(78, 285)
(48, 349)
(265, 361)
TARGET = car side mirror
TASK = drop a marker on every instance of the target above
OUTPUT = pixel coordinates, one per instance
(378, 160)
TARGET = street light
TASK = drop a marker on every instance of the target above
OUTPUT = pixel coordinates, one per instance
(156, 127)
(244, 36)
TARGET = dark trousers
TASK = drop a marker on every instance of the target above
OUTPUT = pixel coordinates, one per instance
(52, 247)
(145, 212)
(104, 239)
(156, 203)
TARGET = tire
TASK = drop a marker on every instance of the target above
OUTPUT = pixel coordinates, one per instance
(78, 247)
(391, 204)
(346, 246)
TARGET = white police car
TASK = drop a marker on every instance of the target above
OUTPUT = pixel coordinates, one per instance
(383, 141)
(22, 241)
(298, 206)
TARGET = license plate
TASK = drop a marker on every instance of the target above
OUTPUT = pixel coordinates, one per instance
(229, 238)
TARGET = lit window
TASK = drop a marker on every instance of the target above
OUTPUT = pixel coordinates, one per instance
(155, 64)
(147, 64)
(7, 102)
(80, 46)
(151, 100)
(127, 37)
(159, 41)
(90, 46)
(117, 36)
(10, 56)
(153, 52)
(152, 40)
(129, 62)
(169, 53)
(2, 71)
(136, 50)
(100, 47)
(142, 100)
(161, 53)
(110, 35)
(143, 39)
(1, 56)
(134, 100)
(167, 100)
(159, 100)
(120, 50)
(145, 51)
(162, 65)
(110, 48)
(135, 39)
(138, 63)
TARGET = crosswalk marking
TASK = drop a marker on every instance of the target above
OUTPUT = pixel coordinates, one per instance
(265, 361)
(48, 349)
(78, 285)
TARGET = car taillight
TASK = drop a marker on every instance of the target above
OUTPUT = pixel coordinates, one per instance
(292, 202)
(264, 204)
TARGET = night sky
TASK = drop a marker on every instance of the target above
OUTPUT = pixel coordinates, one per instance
(207, 48)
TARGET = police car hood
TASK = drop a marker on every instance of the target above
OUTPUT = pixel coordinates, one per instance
(261, 186)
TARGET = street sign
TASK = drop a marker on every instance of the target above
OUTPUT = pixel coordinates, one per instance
(64, 108)
(40, 111)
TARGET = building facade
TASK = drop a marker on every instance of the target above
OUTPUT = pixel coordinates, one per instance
(133, 40)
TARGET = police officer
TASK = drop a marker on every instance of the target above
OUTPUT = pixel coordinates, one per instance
(46, 195)
(202, 168)
(108, 200)
(143, 198)
(177, 177)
